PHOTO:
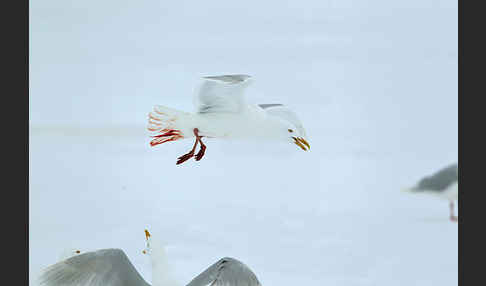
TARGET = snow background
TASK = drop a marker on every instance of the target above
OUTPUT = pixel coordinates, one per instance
(375, 83)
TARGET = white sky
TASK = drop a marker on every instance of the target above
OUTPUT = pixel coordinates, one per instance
(108, 62)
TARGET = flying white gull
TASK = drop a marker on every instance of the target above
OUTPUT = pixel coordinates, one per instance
(111, 267)
(443, 184)
(222, 112)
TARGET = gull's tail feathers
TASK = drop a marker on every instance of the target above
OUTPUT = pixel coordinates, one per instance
(165, 124)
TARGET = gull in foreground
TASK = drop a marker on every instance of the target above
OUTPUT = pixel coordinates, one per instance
(443, 184)
(222, 112)
(111, 267)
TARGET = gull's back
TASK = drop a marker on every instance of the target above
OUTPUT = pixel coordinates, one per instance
(439, 181)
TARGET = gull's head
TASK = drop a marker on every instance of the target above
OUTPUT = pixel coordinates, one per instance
(285, 131)
(153, 247)
(296, 135)
(148, 248)
(68, 253)
(161, 269)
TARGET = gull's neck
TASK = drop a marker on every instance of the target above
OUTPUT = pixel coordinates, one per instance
(161, 270)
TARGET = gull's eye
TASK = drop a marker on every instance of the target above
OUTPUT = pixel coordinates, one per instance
(77, 251)
(290, 130)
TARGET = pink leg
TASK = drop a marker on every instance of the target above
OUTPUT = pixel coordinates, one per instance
(189, 155)
(452, 217)
(201, 152)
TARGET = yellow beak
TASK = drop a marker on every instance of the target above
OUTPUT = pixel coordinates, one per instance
(147, 236)
(302, 143)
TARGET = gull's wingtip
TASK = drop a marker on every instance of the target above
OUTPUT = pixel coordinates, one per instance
(229, 78)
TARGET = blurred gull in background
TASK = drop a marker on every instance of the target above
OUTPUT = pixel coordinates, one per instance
(222, 112)
(443, 184)
(110, 267)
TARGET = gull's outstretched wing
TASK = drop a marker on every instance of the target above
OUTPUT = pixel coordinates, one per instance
(440, 180)
(105, 267)
(283, 112)
(226, 271)
(220, 94)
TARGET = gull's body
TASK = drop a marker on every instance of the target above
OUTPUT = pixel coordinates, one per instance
(111, 267)
(222, 112)
(253, 123)
(443, 184)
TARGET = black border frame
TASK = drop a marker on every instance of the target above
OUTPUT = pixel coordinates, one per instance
(15, 175)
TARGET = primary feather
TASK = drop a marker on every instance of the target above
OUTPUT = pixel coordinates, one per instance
(222, 94)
